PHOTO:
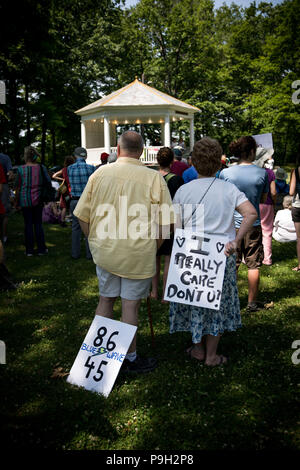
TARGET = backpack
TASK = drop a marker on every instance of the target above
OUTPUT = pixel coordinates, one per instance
(169, 176)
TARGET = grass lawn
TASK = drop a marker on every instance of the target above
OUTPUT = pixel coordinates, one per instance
(249, 404)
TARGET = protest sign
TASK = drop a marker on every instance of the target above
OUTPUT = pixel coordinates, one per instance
(264, 140)
(100, 357)
(196, 269)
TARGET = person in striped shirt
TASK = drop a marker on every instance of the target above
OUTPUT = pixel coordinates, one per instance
(29, 183)
(78, 174)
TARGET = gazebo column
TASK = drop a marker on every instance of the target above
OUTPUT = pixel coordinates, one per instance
(106, 135)
(192, 137)
(162, 134)
(167, 131)
(83, 134)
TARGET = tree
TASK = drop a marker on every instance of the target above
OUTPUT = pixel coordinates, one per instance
(270, 103)
(53, 62)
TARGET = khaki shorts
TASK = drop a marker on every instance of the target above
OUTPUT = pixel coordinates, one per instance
(251, 249)
(111, 285)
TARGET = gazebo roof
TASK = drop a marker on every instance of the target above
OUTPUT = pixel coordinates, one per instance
(137, 94)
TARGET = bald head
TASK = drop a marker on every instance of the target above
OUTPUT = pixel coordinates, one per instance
(131, 144)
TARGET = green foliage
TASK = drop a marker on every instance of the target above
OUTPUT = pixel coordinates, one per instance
(249, 404)
(236, 64)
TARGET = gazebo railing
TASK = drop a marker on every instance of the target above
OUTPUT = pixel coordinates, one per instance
(148, 157)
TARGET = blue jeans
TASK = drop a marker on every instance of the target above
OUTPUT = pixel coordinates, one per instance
(77, 234)
(34, 229)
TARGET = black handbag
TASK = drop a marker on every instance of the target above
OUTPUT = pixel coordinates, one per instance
(48, 193)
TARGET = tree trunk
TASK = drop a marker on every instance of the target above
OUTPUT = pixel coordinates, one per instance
(12, 93)
(28, 134)
(53, 146)
(285, 144)
(43, 140)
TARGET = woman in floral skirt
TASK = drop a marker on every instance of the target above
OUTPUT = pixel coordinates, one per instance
(220, 200)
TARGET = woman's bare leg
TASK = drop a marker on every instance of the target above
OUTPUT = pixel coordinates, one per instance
(297, 227)
(212, 358)
(197, 350)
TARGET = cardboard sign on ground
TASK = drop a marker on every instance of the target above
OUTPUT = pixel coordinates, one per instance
(100, 357)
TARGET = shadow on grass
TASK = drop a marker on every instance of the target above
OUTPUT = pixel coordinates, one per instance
(182, 405)
(54, 414)
(248, 404)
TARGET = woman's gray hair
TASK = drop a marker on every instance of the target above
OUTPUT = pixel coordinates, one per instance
(287, 202)
(112, 157)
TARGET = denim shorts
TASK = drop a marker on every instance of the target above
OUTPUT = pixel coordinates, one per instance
(111, 285)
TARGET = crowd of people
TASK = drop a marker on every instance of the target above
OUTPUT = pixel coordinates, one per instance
(244, 197)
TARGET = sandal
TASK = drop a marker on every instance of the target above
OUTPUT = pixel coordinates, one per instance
(189, 353)
(255, 306)
(221, 362)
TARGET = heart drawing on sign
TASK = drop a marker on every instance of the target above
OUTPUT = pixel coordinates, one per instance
(180, 241)
(220, 246)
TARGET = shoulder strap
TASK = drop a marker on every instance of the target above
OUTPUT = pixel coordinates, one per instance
(199, 201)
(169, 176)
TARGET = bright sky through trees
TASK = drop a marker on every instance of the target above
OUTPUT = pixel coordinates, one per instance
(218, 3)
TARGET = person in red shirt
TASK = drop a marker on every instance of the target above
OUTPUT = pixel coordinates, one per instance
(62, 175)
(178, 167)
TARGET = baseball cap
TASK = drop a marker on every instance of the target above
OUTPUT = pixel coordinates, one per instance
(80, 152)
(104, 156)
(177, 152)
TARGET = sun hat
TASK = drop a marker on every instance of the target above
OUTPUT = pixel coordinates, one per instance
(262, 155)
(280, 174)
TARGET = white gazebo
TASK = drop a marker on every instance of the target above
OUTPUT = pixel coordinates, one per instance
(136, 103)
